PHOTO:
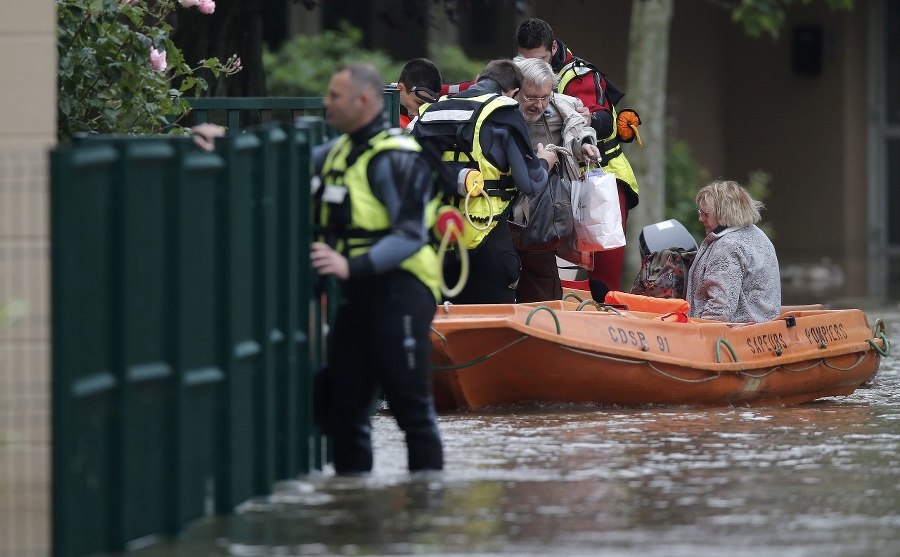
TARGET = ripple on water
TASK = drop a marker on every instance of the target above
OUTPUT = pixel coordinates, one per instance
(817, 479)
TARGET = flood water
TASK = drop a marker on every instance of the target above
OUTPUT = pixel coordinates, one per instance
(820, 479)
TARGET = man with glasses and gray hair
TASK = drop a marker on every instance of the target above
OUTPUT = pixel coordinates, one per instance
(579, 78)
(553, 119)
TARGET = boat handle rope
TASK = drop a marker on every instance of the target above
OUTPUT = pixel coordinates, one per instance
(572, 295)
(885, 352)
(476, 360)
(553, 313)
(600, 307)
(649, 363)
(766, 373)
(719, 344)
(822, 361)
(683, 380)
(639, 362)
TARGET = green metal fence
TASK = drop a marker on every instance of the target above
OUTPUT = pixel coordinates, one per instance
(183, 342)
(239, 113)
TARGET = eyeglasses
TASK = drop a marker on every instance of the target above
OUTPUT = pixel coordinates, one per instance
(541, 100)
(703, 214)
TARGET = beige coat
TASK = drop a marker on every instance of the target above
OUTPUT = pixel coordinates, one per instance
(575, 129)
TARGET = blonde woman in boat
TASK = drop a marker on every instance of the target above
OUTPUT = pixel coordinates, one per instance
(734, 277)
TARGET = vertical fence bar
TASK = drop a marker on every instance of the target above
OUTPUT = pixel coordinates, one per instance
(307, 334)
(196, 277)
(392, 105)
(82, 380)
(317, 456)
(239, 347)
(265, 265)
(288, 434)
(142, 355)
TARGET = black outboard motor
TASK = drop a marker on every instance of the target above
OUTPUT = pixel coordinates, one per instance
(666, 234)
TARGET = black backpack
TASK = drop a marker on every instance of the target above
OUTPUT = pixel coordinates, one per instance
(446, 130)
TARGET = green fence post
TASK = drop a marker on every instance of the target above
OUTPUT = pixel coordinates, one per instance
(392, 105)
(315, 454)
(196, 278)
(83, 386)
(288, 433)
(239, 347)
(265, 264)
(141, 351)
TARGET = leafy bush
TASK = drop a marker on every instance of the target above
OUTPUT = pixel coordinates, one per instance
(116, 65)
(684, 176)
(455, 66)
(304, 64)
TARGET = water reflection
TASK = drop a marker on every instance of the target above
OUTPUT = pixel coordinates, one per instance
(819, 479)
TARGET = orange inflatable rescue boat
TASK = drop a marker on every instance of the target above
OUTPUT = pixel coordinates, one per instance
(577, 351)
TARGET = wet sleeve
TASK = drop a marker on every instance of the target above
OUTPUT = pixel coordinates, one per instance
(506, 147)
(602, 121)
(403, 182)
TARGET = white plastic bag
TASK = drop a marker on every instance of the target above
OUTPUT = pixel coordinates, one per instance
(598, 218)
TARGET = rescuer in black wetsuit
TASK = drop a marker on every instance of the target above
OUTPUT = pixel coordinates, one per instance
(376, 203)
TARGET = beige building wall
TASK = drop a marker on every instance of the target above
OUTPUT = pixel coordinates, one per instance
(27, 132)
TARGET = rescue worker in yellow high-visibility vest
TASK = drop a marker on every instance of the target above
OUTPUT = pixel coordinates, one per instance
(580, 79)
(376, 203)
(481, 130)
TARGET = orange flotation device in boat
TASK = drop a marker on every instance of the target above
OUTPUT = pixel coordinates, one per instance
(636, 302)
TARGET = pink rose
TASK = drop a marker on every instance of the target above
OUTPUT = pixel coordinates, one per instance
(158, 59)
(189, 3)
(207, 6)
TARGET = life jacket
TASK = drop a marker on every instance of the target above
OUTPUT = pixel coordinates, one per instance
(451, 129)
(353, 219)
(576, 68)
(607, 95)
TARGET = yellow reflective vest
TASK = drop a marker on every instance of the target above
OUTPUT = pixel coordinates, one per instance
(354, 217)
(609, 146)
(451, 113)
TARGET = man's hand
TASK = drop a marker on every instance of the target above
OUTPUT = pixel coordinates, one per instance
(205, 135)
(590, 151)
(585, 113)
(329, 262)
(548, 156)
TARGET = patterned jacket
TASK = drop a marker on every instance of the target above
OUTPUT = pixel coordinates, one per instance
(735, 277)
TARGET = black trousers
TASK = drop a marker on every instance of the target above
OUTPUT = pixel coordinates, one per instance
(381, 339)
(494, 269)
